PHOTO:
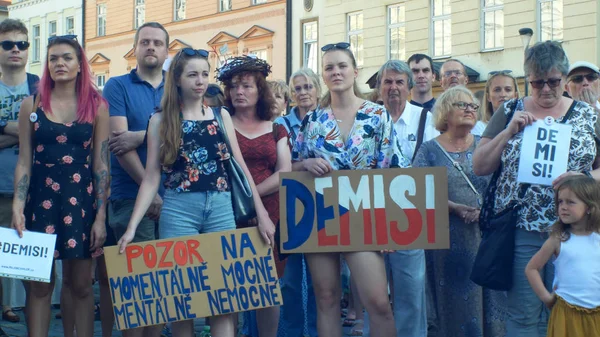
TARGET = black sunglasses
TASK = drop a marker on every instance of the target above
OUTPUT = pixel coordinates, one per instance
(591, 77)
(552, 83)
(339, 45)
(62, 37)
(9, 45)
(192, 52)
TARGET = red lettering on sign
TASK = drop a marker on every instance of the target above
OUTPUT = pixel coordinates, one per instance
(430, 225)
(132, 252)
(415, 225)
(192, 246)
(150, 256)
(368, 225)
(381, 226)
(326, 240)
(163, 263)
(345, 229)
(180, 253)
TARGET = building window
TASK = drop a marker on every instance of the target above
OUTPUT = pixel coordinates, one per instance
(51, 28)
(35, 55)
(70, 26)
(100, 81)
(492, 20)
(355, 36)
(179, 10)
(310, 37)
(258, 2)
(261, 54)
(550, 20)
(396, 33)
(140, 13)
(101, 20)
(441, 28)
(224, 5)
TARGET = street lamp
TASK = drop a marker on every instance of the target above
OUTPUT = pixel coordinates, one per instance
(526, 34)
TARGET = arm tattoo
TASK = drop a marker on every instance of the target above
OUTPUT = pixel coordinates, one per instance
(101, 185)
(23, 187)
(104, 152)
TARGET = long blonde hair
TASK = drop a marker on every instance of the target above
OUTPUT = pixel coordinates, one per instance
(171, 103)
(487, 110)
(326, 100)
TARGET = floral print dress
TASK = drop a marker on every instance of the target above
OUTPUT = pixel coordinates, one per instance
(61, 197)
(371, 143)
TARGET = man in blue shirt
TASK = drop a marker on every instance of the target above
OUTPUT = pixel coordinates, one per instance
(132, 99)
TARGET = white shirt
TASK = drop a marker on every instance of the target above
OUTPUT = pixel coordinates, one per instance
(407, 127)
(478, 128)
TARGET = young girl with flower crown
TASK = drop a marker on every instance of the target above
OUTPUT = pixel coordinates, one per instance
(575, 244)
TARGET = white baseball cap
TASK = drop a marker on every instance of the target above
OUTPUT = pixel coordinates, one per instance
(583, 64)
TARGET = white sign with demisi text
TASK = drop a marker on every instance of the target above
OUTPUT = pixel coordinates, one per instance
(27, 258)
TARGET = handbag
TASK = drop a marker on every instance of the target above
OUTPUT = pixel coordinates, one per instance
(493, 265)
(241, 193)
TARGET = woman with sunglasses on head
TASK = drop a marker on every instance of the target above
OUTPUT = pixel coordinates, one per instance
(456, 301)
(347, 133)
(500, 87)
(264, 146)
(546, 67)
(186, 143)
(62, 179)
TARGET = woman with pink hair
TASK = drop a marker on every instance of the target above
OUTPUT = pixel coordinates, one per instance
(61, 181)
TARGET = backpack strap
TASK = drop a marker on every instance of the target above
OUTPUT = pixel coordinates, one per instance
(420, 131)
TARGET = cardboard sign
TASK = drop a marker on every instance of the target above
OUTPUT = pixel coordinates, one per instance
(163, 281)
(544, 152)
(28, 258)
(362, 210)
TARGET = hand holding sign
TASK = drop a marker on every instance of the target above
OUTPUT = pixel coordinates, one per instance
(18, 223)
(520, 120)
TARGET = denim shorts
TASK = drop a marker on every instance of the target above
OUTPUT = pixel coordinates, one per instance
(192, 213)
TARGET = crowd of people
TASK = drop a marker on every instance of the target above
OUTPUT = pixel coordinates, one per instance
(146, 159)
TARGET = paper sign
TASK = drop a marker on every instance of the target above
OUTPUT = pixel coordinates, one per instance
(544, 152)
(224, 49)
(163, 281)
(364, 210)
(28, 258)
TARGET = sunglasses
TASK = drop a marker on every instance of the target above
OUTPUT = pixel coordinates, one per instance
(307, 87)
(539, 84)
(464, 105)
(591, 77)
(9, 45)
(193, 52)
(339, 45)
(213, 91)
(62, 37)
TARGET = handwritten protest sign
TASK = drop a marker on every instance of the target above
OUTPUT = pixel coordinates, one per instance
(360, 210)
(544, 152)
(28, 258)
(189, 277)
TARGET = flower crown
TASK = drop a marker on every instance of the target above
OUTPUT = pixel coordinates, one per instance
(239, 64)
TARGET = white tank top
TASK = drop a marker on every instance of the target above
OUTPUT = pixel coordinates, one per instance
(577, 271)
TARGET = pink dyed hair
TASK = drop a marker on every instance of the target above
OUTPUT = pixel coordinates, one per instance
(88, 97)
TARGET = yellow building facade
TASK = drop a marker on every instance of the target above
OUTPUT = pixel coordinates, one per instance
(224, 27)
(484, 34)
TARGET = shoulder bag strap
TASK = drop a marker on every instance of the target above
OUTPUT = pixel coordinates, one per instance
(420, 131)
(292, 132)
(458, 167)
(219, 119)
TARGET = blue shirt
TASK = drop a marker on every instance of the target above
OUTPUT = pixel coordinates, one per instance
(290, 120)
(131, 97)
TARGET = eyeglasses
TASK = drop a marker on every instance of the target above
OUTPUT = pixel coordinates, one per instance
(449, 73)
(591, 77)
(464, 105)
(552, 83)
(307, 87)
(339, 45)
(9, 45)
(192, 52)
(65, 37)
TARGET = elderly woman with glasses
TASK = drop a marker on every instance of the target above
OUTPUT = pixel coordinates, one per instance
(500, 87)
(457, 305)
(546, 67)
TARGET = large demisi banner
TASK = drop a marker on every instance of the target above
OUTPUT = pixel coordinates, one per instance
(361, 210)
(189, 277)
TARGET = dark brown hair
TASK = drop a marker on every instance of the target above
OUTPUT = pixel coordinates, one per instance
(12, 25)
(266, 102)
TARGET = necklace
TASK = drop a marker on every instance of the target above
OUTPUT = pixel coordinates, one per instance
(464, 146)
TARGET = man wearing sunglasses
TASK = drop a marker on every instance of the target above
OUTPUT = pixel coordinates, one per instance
(15, 85)
(583, 84)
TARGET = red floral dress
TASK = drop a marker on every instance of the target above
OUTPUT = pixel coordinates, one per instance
(61, 197)
(260, 155)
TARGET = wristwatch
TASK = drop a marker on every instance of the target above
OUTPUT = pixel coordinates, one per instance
(3, 124)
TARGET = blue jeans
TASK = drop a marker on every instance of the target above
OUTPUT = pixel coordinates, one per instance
(527, 314)
(193, 213)
(407, 268)
(293, 313)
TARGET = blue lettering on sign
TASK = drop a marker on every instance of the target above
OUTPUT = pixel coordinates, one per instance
(230, 249)
(299, 233)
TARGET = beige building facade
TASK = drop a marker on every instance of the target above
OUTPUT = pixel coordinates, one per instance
(224, 27)
(484, 34)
